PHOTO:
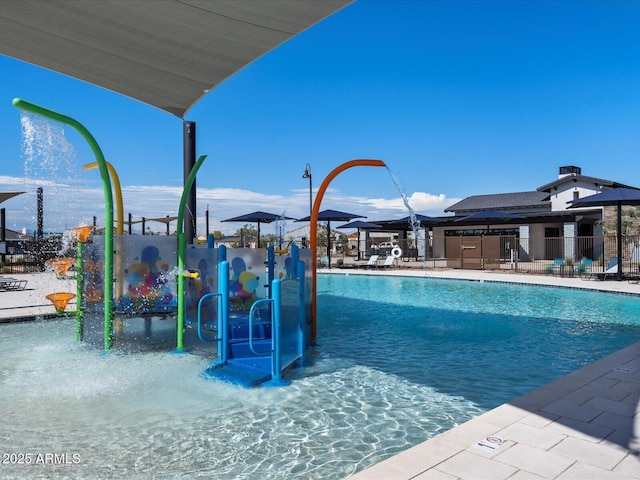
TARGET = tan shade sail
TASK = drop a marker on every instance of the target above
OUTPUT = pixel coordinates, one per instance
(7, 195)
(165, 53)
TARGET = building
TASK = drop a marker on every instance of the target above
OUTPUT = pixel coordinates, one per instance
(537, 220)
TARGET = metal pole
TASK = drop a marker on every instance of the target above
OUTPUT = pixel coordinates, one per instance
(207, 221)
(189, 158)
(39, 228)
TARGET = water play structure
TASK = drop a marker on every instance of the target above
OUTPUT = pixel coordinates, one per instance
(253, 309)
(250, 309)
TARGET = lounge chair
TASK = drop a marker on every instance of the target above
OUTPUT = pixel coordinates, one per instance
(372, 263)
(611, 271)
(9, 283)
(388, 262)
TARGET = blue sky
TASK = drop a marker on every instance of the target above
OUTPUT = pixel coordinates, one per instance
(458, 98)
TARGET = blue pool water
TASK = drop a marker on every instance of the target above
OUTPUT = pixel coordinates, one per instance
(399, 360)
(488, 342)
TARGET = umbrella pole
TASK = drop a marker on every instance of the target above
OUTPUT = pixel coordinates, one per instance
(619, 272)
(329, 244)
(258, 234)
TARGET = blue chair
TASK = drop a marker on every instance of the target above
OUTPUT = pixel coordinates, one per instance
(585, 269)
(556, 267)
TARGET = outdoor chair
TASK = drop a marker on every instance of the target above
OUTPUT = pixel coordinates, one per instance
(372, 263)
(585, 269)
(388, 262)
(555, 268)
(8, 283)
(611, 271)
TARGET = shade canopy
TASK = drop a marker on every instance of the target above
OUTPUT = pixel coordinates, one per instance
(328, 216)
(359, 224)
(166, 220)
(164, 53)
(614, 197)
(336, 215)
(4, 196)
(258, 217)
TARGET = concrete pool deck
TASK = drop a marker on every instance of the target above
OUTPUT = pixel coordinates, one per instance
(585, 425)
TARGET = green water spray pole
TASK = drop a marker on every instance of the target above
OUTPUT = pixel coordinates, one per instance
(108, 204)
(182, 251)
(79, 285)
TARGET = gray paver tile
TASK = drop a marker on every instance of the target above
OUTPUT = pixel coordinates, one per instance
(617, 407)
(534, 460)
(630, 466)
(599, 455)
(581, 471)
(527, 435)
(581, 430)
(575, 412)
(540, 419)
(615, 421)
(435, 474)
(468, 465)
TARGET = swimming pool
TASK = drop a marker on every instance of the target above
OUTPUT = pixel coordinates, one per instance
(399, 360)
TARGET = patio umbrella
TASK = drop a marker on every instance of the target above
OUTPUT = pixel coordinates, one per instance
(258, 217)
(359, 224)
(614, 197)
(486, 216)
(328, 215)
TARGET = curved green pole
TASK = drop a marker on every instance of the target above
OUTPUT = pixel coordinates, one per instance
(182, 250)
(108, 204)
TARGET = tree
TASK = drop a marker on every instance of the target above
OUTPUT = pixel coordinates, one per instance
(630, 223)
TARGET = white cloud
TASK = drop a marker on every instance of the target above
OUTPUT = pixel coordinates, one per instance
(67, 206)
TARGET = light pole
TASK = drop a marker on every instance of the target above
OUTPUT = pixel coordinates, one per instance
(307, 174)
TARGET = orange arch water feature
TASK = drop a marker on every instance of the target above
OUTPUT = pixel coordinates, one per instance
(313, 227)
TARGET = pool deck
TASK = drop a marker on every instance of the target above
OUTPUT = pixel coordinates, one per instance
(585, 425)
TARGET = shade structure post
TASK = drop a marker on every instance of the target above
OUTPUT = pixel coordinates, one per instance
(189, 158)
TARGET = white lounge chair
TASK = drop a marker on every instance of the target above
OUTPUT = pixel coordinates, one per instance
(388, 262)
(372, 263)
(612, 270)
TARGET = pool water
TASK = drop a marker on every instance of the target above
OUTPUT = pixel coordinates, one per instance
(399, 360)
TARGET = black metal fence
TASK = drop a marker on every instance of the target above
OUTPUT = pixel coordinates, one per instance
(506, 253)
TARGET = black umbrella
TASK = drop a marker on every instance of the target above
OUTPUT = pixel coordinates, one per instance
(359, 224)
(258, 217)
(614, 197)
(486, 216)
(328, 215)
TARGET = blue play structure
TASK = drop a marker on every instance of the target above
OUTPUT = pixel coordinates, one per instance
(257, 338)
(248, 309)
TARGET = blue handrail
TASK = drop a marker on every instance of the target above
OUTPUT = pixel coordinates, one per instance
(218, 338)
